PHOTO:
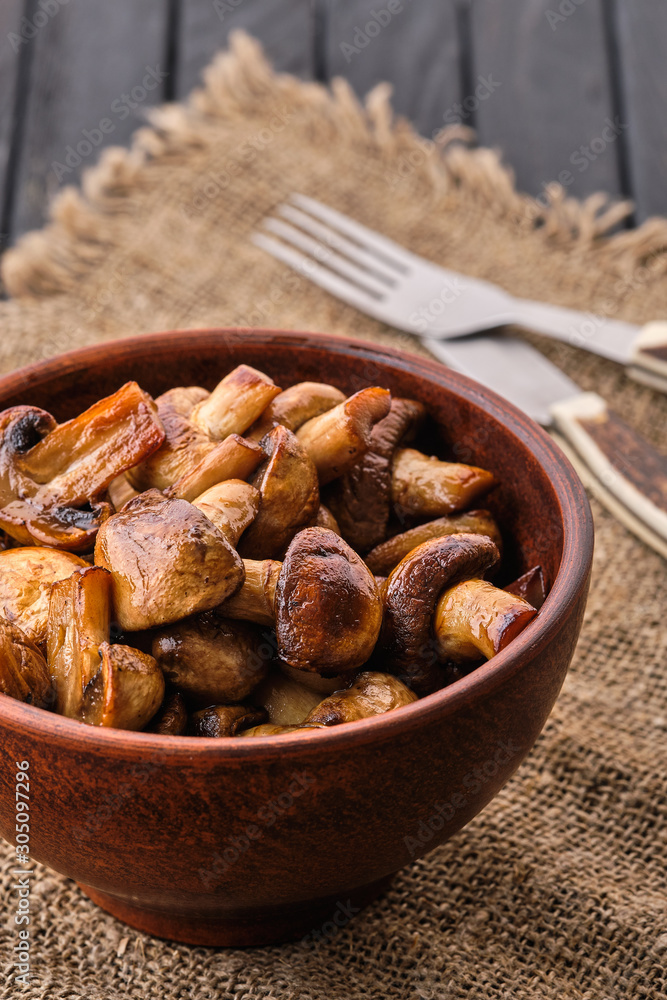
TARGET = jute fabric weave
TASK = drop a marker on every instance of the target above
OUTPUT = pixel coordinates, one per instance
(558, 889)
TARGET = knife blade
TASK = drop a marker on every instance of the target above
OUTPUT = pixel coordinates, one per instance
(620, 467)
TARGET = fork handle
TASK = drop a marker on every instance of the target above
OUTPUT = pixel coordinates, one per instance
(626, 473)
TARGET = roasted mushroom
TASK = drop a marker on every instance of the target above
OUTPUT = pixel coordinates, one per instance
(24, 674)
(360, 500)
(326, 604)
(231, 506)
(407, 646)
(172, 716)
(383, 558)
(195, 421)
(287, 702)
(474, 618)
(293, 407)
(289, 496)
(211, 660)
(26, 575)
(371, 694)
(425, 486)
(233, 458)
(53, 476)
(337, 439)
(224, 720)
(96, 682)
(167, 561)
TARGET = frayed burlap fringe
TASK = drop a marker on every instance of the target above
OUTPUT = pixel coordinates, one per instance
(238, 86)
(556, 891)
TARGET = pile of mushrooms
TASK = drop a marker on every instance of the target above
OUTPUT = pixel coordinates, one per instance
(243, 562)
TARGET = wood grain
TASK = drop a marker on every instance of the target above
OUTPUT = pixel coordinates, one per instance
(10, 47)
(88, 55)
(285, 28)
(416, 49)
(642, 36)
(553, 100)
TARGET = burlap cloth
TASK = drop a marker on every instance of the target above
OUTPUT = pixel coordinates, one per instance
(558, 888)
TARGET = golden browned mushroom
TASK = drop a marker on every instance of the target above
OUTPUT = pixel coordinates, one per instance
(360, 500)
(427, 487)
(167, 561)
(371, 694)
(96, 682)
(195, 421)
(290, 496)
(532, 586)
(337, 439)
(383, 558)
(172, 716)
(53, 476)
(23, 671)
(407, 646)
(293, 407)
(212, 660)
(26, 575)
(325, 602)
(233, 458)
(473, 618)
(224, 720)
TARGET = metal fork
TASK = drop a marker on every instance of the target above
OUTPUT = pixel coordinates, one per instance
(398, 287)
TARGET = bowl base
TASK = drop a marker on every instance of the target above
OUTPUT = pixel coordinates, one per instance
(313, 922)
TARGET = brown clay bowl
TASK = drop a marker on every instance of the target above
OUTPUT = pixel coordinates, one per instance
(239, 842)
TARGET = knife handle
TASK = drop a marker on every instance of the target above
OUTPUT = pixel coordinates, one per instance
(649, 360)
(622, 469)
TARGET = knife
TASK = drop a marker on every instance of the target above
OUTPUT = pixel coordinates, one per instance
(621, 469)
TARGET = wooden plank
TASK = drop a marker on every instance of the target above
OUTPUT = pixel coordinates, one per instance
(413, 45)
(284, 27)
(642, 33)
(10, 47)
(95, 67)
(552, 112)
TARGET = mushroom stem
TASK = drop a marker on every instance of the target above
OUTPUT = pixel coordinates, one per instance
(386, 556)
(235, 403)
(231, 506)
(371, 694)
(255, 601)
(475, 618)
(337, 439)
(293, 407)
(233, 458)
(427, 487)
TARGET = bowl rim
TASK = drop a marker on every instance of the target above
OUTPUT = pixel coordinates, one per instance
(573, 573)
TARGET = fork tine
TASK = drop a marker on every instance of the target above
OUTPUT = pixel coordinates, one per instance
(332, 238)
(393, 254)
(325, 255)
(310, 269)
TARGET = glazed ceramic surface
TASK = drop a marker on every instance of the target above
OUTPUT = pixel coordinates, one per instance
(255, 841)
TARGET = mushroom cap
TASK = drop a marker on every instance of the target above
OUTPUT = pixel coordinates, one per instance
(211, 659)
(167, 561)
(289, 496)
(407, 646)
(24, 674)
(26, 576)
(224, 720)
(171, 718)
(360, 500)
(328, 608)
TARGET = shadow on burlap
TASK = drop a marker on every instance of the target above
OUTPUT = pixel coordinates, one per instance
(558, 888)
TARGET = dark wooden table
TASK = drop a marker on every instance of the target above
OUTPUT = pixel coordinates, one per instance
(574, 90)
